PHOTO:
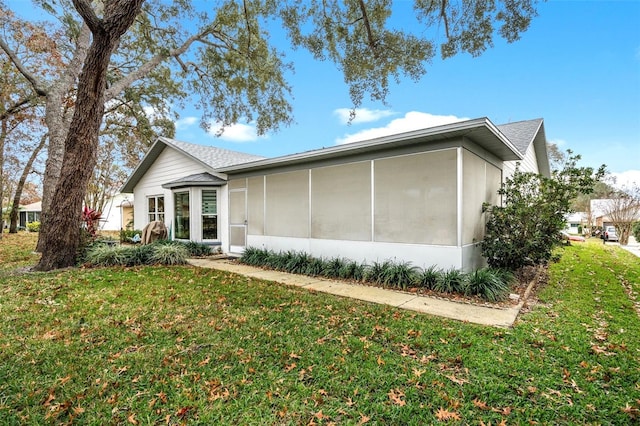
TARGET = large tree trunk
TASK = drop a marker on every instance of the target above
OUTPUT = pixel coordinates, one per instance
(13, 225)
(58, 116)
(60, 242)
(3, 138)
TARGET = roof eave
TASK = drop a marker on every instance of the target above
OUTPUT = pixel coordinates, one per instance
(462, 128)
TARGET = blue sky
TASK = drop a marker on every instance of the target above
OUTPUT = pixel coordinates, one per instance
(578, 67)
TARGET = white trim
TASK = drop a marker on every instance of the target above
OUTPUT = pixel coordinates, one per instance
(373, 201)
(459, 196)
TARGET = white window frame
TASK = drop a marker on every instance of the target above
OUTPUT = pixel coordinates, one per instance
(217, 214)
(156, 213)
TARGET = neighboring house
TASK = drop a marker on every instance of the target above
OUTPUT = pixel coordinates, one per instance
(415, 196)
(29, 213)
(117, 213)
(603, 208)
(575, 221)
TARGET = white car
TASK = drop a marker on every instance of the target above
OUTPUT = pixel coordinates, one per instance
(610, 233)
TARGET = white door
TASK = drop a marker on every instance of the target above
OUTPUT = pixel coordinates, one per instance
(237, 220)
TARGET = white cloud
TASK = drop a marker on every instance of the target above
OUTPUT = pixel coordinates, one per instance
(560, 143)
(413, 120)
(239, 132)
(363, 115)
(186, 122)
(628, 179)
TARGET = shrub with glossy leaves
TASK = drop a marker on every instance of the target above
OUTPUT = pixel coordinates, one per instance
(525, 228)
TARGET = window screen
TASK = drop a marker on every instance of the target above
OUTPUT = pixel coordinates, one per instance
(287, 204)
(415, 198)
(341, 202)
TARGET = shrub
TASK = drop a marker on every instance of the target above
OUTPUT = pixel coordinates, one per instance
(489, 284)
(428, 278)
(314, 267)
(332, 268)
(353, 271)
(635, 230)
(450, 281)
(169, 254)
(198, 249)
(104, 255)
(399, 275)
(33, 226)
(254, 256)
(375, 272)
(297, 262)
(139, 255)
(525, 228)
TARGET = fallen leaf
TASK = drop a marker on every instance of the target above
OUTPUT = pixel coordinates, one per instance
(162, 396)
(480, 404)
(445, 415)
(363, 419)
(456, 380)
(396, 395)
(49, 399)
(380, 361)
(64, 380)
(290, 367)
(132, 419)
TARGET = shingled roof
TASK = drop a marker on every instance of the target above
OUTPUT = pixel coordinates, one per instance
(521, 133)
(524, 134)
(211, 158)
(198, 179)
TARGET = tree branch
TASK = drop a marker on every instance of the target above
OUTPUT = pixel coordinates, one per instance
(17, 107)
(88, 15)
(372, 42)
(37, 85)
(149, 66)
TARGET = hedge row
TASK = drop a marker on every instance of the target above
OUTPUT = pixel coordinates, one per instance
(490, 284)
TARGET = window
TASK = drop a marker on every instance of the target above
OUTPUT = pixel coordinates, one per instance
(209, 215)
(155, 208)
(182, 215)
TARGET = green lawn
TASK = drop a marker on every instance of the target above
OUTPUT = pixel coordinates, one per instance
(174, 345)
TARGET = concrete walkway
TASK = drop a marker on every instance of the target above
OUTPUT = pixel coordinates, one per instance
(496, 317)
(633, 246)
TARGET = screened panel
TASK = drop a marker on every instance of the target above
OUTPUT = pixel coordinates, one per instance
(237, 213)
(341, 202)
(494, 180)
(473, 195)
(237, 236)
(237, 183)
(415, 198)
(287, 204)
(255, 205)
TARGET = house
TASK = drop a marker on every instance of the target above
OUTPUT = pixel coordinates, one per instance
(117, 213)
(606, 211)
(575, 222)
(29, 213)
(415, 196)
